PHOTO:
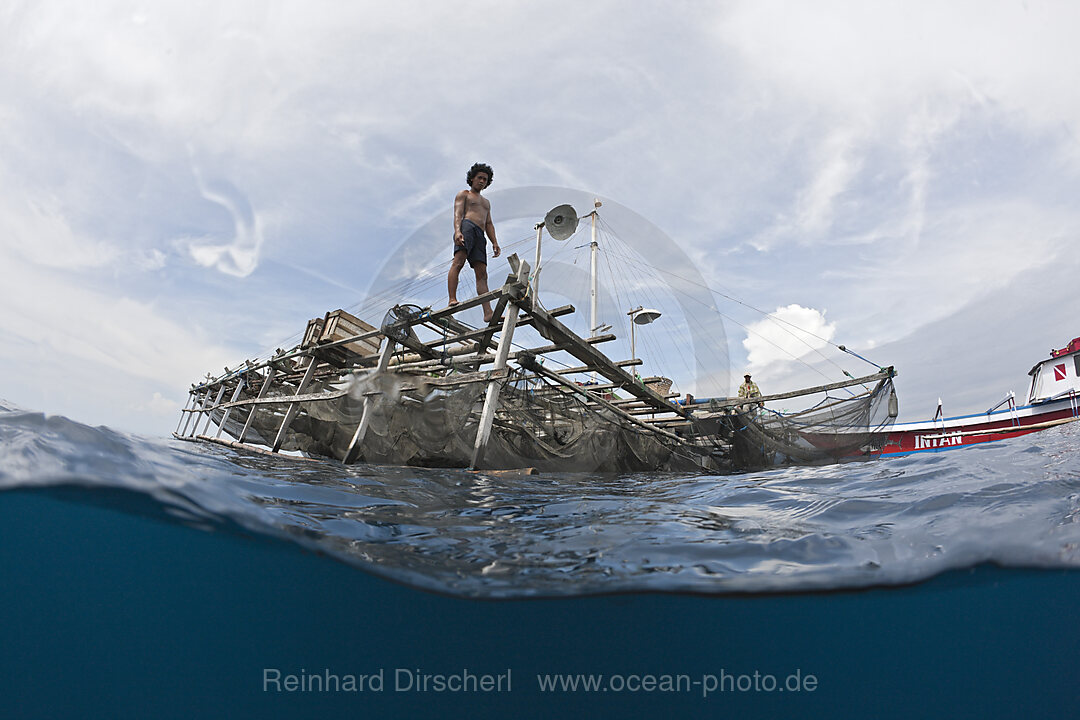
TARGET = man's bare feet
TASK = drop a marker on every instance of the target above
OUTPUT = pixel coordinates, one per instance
(452, 303)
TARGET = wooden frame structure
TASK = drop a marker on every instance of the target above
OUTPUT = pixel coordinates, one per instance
(432, 348)
(461, 355)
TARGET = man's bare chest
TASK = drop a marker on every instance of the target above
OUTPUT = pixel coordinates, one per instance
(476, 205)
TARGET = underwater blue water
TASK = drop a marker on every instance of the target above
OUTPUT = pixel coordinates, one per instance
(149, 577)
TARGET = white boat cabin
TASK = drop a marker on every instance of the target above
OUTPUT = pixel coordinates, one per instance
(1057, 376)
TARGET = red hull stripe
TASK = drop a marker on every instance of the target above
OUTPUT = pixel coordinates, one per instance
(903, 442)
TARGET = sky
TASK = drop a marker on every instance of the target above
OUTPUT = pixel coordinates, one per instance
(184, 184)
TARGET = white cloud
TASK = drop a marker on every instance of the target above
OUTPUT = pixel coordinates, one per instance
(77, 324)
(36, 230)
(966, 253)
(815, 203)
(62, 332)
(885, 57)
(149, 260)
(158, 405)
(787, 334)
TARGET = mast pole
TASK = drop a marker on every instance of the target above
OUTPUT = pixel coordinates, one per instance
(536, 265)
(593, 247)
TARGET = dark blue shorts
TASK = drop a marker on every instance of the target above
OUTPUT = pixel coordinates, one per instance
(475, 245)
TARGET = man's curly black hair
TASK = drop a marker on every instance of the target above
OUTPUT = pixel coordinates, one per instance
(480, 168)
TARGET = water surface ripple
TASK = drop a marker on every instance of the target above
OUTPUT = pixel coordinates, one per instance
(495, 536)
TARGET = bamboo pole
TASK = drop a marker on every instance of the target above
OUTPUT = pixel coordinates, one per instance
(491, 398)
(582, 349)
(209, 411)
(295, 407)
(228, 407)
(588, 368)
(184, 411)
(884, 374)
(583, 390)
(193, 414)
(262, 393)
(288, 399)
(365, 418)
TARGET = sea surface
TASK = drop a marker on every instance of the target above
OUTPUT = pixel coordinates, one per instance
(151, 577)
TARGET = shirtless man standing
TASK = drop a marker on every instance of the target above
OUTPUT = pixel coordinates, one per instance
(472, 219)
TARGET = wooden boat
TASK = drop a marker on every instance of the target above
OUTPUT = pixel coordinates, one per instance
(1053, 399)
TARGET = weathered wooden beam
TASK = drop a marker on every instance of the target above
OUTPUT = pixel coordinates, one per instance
(451, 310)
(582, 349)
(468, 333)
(654, 414)
(527, 320)
(637, 403)
(568, 345)
(471, 334)
(590, 368)
(582, 390)
(471, 362)
(667, 422)
(617, 386)
(288, 399)
(466, 378)
(500, 308)
(884, 374)
(369, 335)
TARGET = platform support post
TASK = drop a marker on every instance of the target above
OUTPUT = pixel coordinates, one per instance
(240, 383)
(196, 408)
(294, 407)
(209, 411)
(491, 397)
(385, 354)
(255, 408)
(184, 414)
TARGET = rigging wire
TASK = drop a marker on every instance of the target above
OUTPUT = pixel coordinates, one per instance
(632, 271)
(762, 312)
(771, 316)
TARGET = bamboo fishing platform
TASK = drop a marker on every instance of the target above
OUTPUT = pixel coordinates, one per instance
(424, 388)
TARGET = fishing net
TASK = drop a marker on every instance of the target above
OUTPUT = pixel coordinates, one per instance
(833, 429)
(415, 421)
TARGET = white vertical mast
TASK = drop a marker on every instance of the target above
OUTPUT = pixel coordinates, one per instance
(536, 264)
(593, 324)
